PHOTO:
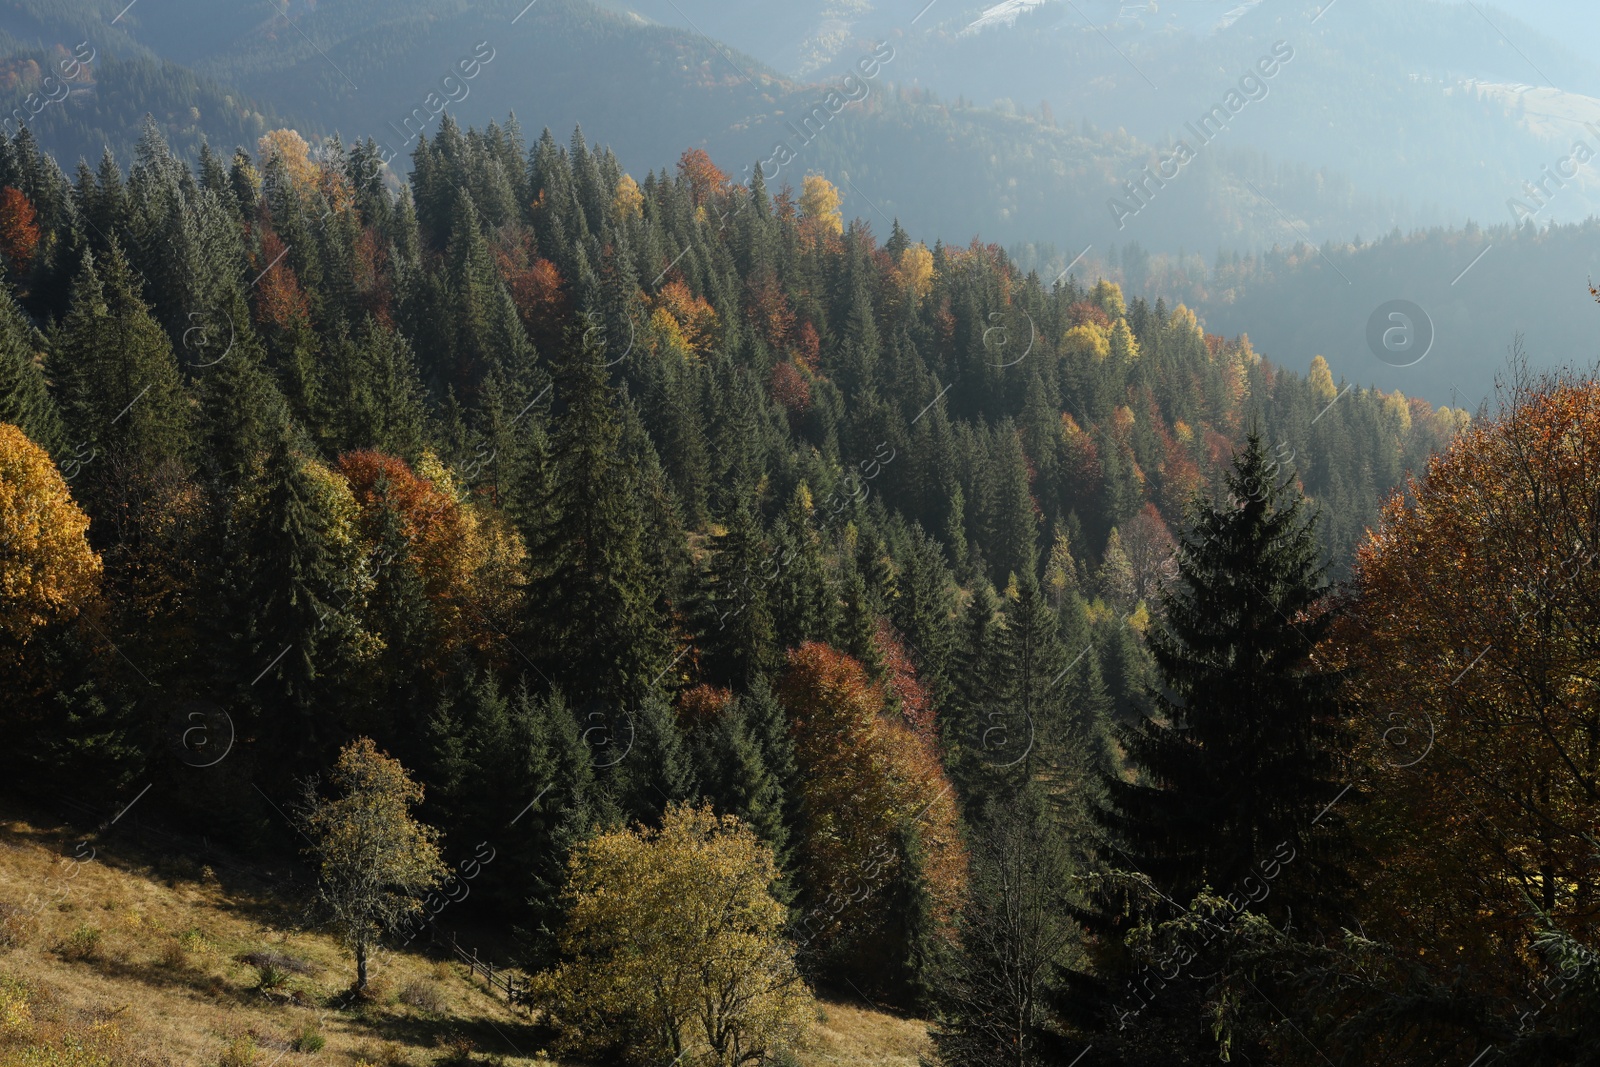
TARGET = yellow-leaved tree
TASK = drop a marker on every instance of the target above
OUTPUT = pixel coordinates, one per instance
(47, 569)
(674, 947)
(374, 861)
(916, 270)
(820, 201)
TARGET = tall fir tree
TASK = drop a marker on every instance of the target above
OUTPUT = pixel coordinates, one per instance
(1233, 758)
(25, 399)
(608, 642)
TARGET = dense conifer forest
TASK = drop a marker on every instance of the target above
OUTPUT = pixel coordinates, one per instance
(1006, 649)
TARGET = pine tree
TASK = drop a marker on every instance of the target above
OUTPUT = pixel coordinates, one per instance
(736, 626)
(296, 632)
(607, 642)
(1231, 762)
(24, 398)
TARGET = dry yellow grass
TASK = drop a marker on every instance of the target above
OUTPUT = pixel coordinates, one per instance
(139, 965)
(129, 959)
(845, 1034)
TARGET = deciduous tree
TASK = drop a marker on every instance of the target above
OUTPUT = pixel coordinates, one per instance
(373, 858)
(674, 947)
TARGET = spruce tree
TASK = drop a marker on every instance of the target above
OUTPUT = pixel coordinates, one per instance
(802, 602)
(296, 632)
(1231, 760)
(979, 732)
(512, 771)
(657, 768)
(1033, 664)
(25, 400)
(121, 397)
(733, 773)
(1013, 543)
(924, 613)
(242, 413)
(607, 641)
(736, 627)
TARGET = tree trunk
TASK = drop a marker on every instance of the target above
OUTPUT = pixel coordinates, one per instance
(361, 966)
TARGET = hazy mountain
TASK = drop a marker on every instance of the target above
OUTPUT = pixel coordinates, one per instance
(1023, 123)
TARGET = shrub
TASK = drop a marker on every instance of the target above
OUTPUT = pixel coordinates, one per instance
(13, 926)
(82, 944)
(270, 977)
(458, 1049)
(281, 961)
(387, 1054)
(16, 1010)
(240, 1052)
(309, 1040)
(424, 996)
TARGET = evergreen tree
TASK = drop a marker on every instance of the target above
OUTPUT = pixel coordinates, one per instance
(608, 641)
(374, 397)
(491, 752)
(1231, 760)
(1013, 546)
(925, 613)
(734, 774)
(297, 639)
(803, 605)
(25, 400)
(993, 996)
(242, 413)
(122, 401)
(736, 627)
(658, 767)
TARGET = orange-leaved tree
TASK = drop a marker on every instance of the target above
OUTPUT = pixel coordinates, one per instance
(19, 231)
(467, 559)
(878, 813)
(704, 178)
(1473, 651)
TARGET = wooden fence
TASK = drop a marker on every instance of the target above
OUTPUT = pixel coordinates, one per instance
(518, 991)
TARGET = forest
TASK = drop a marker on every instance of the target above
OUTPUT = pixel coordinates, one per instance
(787, 609)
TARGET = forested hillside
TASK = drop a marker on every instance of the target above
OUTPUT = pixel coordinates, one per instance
(1483, 291)
(1075, 173)
(572, 490)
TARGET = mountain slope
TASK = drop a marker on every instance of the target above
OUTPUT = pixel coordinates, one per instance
(133, 948)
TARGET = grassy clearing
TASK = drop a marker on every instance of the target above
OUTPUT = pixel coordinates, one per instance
(123, 958)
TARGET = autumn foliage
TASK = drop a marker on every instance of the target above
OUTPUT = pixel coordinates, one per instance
(684, 317)
(866, 779)
(790, 388)
(537, 289)
(281, 303)
(465, 559)
(703, 176)
(1474, 646)
(674, 948)
(19, 230)
(47, 570)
